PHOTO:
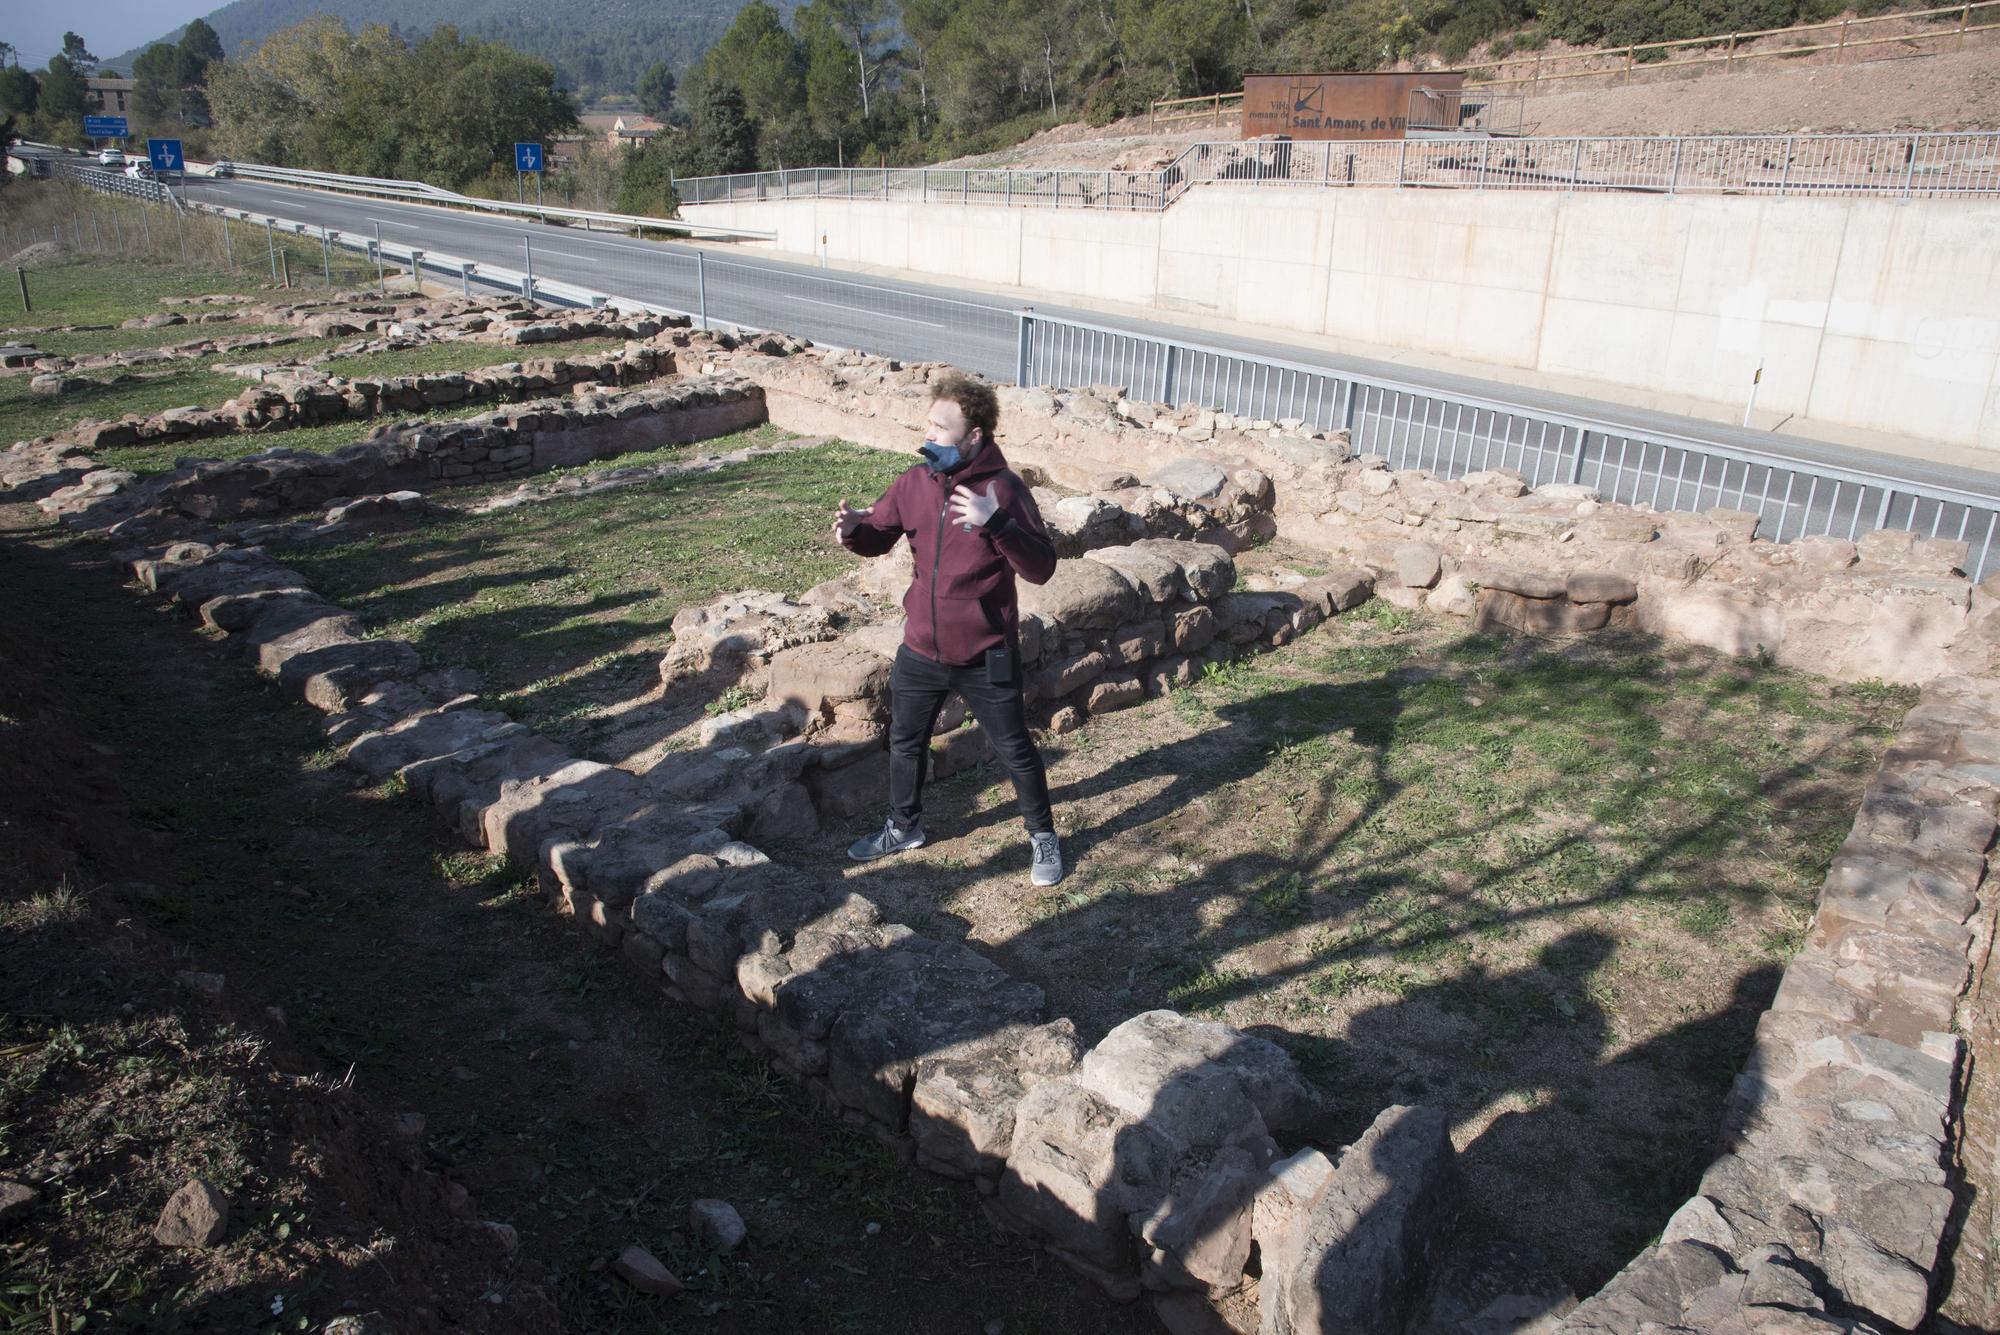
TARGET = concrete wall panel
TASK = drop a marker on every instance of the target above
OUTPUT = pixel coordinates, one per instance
(1871, 314)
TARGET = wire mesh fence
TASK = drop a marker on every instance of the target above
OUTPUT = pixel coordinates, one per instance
(1453, 434)
(74, 220)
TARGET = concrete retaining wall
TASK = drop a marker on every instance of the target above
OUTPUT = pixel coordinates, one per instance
(1869, 314)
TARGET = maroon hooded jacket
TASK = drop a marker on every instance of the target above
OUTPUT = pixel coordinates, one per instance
(962, 601)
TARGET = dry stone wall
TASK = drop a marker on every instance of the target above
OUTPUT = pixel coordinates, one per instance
(1827, 1206)
(1153, 1160)
(1893, 605)
(1159, 1159)
(531, 438)
(1114, 628)
(399, 324)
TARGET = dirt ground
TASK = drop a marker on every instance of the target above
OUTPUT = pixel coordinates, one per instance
(1548, 887)
(165, 811)
(1941, 90)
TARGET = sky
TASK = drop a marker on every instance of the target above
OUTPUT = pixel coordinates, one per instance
(107, 26)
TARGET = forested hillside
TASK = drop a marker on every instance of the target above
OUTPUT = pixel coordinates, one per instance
(596, 46)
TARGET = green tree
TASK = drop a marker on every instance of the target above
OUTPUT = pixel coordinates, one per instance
(923, 23)
(645, 181)
(763, 61)
(444, 110)
(17, 91)
(61, 101)
(857, 24)
(721, 132)
(656, 91)
(157, 76)
(200, 44)
(77, 54)
(835, 102)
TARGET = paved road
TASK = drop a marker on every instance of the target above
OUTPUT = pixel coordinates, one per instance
(928, 322)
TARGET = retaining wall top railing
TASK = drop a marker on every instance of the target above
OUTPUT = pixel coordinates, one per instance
(1899, 166)
(1451, 434)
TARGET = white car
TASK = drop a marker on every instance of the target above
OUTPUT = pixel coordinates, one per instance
(111, 157)
(139, 171)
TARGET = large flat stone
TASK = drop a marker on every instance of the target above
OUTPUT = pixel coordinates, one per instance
(1083, 595)
(1358, 1260)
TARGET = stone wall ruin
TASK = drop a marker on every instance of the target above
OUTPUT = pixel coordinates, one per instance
(1161, 1160)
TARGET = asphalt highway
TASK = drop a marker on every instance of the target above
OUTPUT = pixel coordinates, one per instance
(935, 322)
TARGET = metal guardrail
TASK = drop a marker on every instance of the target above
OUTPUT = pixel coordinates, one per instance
(105, 181)
(1928, 165)
(1451, 434)
(420, 192)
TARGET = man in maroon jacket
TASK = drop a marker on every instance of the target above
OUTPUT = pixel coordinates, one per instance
(973, 527)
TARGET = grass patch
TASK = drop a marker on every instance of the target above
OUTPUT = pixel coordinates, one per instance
(25, 415)
(1546, 886)
(84, 343)
(564, 605)
(459, 355)
(104, 291)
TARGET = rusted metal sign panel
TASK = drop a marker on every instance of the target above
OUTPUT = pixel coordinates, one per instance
(1335, 106)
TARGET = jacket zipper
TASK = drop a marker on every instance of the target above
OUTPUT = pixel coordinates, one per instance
(937, 555)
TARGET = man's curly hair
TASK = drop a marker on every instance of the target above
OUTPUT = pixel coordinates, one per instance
(975, 398)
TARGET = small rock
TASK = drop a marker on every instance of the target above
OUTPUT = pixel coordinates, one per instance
(718, 1225)
(195, 1216)
(873, 1228)
(505, 1234)
(408, 1126)
(643, 1271)
(996, 1327)
(16, 1199)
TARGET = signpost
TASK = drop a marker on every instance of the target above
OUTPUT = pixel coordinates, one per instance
(527, 160)
(167, 156)
(106, 127)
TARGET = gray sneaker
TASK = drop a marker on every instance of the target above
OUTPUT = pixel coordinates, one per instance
(1048, 868)
(887, 840)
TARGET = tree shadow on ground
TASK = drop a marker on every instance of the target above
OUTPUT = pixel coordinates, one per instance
(1477, 1044)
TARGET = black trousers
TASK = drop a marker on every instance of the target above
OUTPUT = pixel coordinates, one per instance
(918, 687)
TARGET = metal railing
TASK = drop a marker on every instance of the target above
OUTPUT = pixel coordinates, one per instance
(423, 193)
(105, 181)
(1723, 51)
(1928, 165)
(1451, 434)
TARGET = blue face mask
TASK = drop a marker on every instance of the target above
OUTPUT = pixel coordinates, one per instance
(942, 458)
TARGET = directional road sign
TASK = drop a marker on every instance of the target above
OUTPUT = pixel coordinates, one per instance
(527, 157)
(166, 155)
(105, 127)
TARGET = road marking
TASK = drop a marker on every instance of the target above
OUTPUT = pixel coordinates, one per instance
(391, 222)
(856, 310)
(587, 259)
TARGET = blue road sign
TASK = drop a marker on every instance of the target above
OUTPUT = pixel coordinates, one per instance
(527, 157)
(105, 127)
(166, 155)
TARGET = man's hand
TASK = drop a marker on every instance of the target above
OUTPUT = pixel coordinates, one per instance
(972, 508)
(845, 520)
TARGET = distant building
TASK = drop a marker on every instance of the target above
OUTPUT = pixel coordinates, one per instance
(632, 132)
(565, 149)
(109, 97)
